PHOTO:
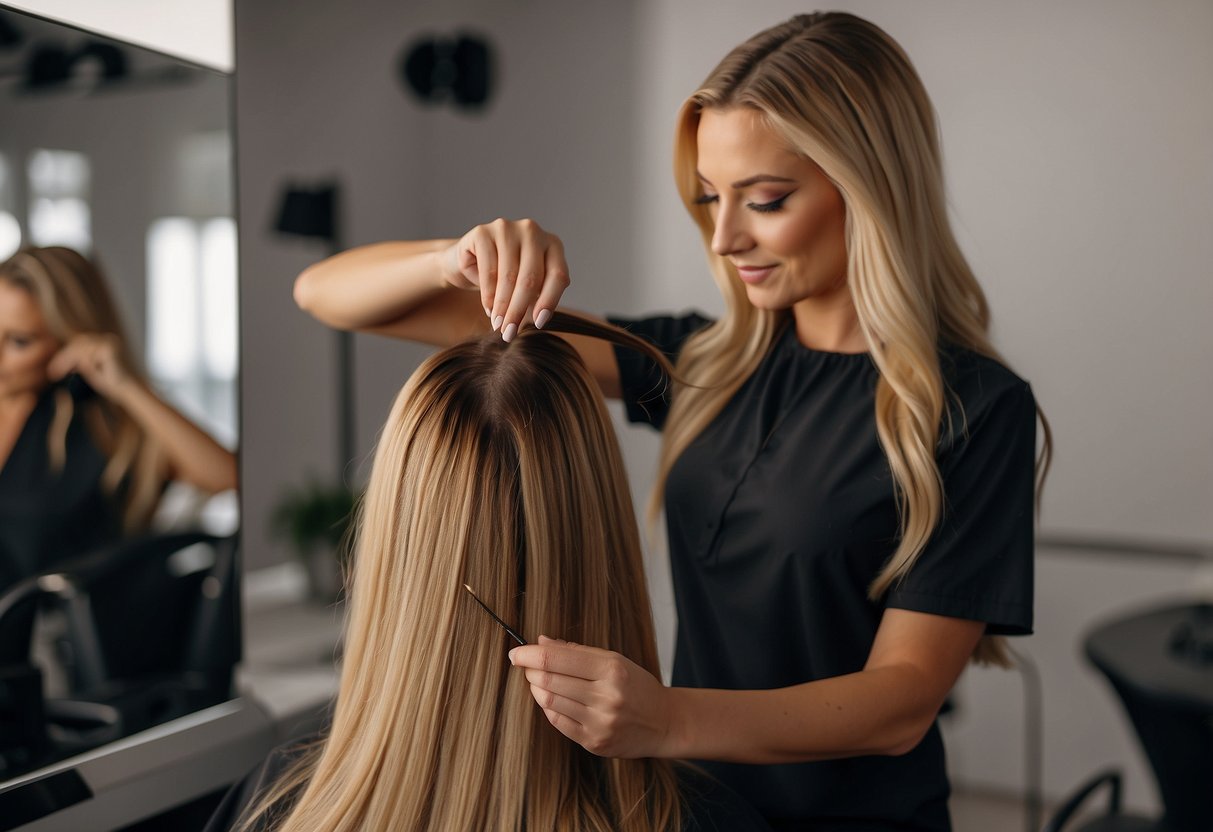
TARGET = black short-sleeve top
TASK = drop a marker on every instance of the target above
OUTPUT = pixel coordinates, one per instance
(782, 512)
(48, 515)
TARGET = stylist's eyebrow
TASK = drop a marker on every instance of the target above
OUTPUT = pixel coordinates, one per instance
(748, 181)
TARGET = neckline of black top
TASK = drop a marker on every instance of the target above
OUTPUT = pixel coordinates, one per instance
(789, 340)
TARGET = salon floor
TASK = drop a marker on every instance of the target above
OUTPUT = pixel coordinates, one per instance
(289, 667)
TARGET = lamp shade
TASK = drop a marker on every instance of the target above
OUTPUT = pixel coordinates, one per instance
(309, 212)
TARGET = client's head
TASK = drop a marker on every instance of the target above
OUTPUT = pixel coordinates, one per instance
(499, 468)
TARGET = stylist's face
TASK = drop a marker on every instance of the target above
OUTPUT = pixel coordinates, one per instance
(26, 344)
(778, 219)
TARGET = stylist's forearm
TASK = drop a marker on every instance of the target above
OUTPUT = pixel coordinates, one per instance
(374, 284)
(193, 455)
(871, 712)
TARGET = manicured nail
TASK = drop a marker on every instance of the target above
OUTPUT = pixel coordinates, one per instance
(510, 332)
(542, 318)
(511, 655)
(497, 319)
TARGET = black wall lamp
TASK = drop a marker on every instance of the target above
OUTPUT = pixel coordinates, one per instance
(457, 70)
(52, 65)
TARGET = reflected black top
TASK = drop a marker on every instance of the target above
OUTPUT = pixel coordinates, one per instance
(47, 516)
(781, 513)
(709, 806)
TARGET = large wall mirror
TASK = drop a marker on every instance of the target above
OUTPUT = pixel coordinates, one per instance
(113, 619)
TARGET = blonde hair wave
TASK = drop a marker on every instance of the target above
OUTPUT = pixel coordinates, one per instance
(842, 93)
(74, 299)
(498, 467)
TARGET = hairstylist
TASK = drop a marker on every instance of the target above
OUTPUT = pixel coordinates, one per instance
(848, 479)
(86, 445)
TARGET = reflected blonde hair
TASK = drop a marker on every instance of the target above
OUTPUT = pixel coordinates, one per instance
(842, 93)
(498, 467)
(73, 297)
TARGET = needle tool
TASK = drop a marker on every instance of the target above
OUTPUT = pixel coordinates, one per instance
(493, 615)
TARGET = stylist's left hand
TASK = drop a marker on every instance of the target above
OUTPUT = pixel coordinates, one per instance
(601, 700)
(95, 356)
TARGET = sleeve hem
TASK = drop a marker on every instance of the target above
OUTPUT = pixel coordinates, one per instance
(1001, 617)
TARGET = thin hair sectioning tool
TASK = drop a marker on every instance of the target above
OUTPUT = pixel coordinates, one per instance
(494, 616)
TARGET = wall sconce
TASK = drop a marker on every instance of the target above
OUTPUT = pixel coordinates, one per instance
(52, 65)
(458, 69)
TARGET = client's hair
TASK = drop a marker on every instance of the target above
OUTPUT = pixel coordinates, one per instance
(498, 467)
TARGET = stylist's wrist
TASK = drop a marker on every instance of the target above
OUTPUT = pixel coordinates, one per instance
(127, 391)
(678, 741)
(446, 260)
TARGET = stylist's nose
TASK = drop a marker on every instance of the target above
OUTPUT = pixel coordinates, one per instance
(729, 237)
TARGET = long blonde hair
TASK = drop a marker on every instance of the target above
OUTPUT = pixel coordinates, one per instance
(498, 467)
(73, 297)
(843, 93)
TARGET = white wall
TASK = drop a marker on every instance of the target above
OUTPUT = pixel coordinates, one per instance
(196, 30)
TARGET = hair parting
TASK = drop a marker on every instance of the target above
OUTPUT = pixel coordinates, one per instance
(497, 465)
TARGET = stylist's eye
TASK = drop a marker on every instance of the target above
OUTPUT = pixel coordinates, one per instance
(768, 207)
(706, 199)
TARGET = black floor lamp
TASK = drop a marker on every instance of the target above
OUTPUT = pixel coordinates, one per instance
(313, 213)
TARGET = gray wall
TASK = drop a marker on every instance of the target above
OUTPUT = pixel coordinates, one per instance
(318, 97)
(1080, 174)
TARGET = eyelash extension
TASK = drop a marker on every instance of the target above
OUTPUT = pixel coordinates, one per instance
(769, 207)
(762, 208)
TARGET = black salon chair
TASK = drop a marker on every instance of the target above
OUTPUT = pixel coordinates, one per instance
(152, 625)
(1160, 663)
(22, 724)
(150, 633)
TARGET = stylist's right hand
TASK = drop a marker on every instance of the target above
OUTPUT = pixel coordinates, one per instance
(599, 699)
(518, 268)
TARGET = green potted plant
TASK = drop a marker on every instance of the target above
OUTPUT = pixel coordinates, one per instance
(316, 519)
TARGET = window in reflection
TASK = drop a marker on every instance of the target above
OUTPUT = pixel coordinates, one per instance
(59, 199)
(192, 340)
(10, 235)
(10, 228)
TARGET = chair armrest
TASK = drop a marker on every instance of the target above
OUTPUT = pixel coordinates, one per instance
(1111, 777)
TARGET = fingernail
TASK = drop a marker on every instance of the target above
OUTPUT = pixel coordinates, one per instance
(511, 655)
(542, 318)
(488, 313)
(497, 319)
(510, 332)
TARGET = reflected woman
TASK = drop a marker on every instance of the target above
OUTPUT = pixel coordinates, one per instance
(86, 446)
(498, 467)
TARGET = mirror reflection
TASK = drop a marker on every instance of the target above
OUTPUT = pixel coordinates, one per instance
(118, 373)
